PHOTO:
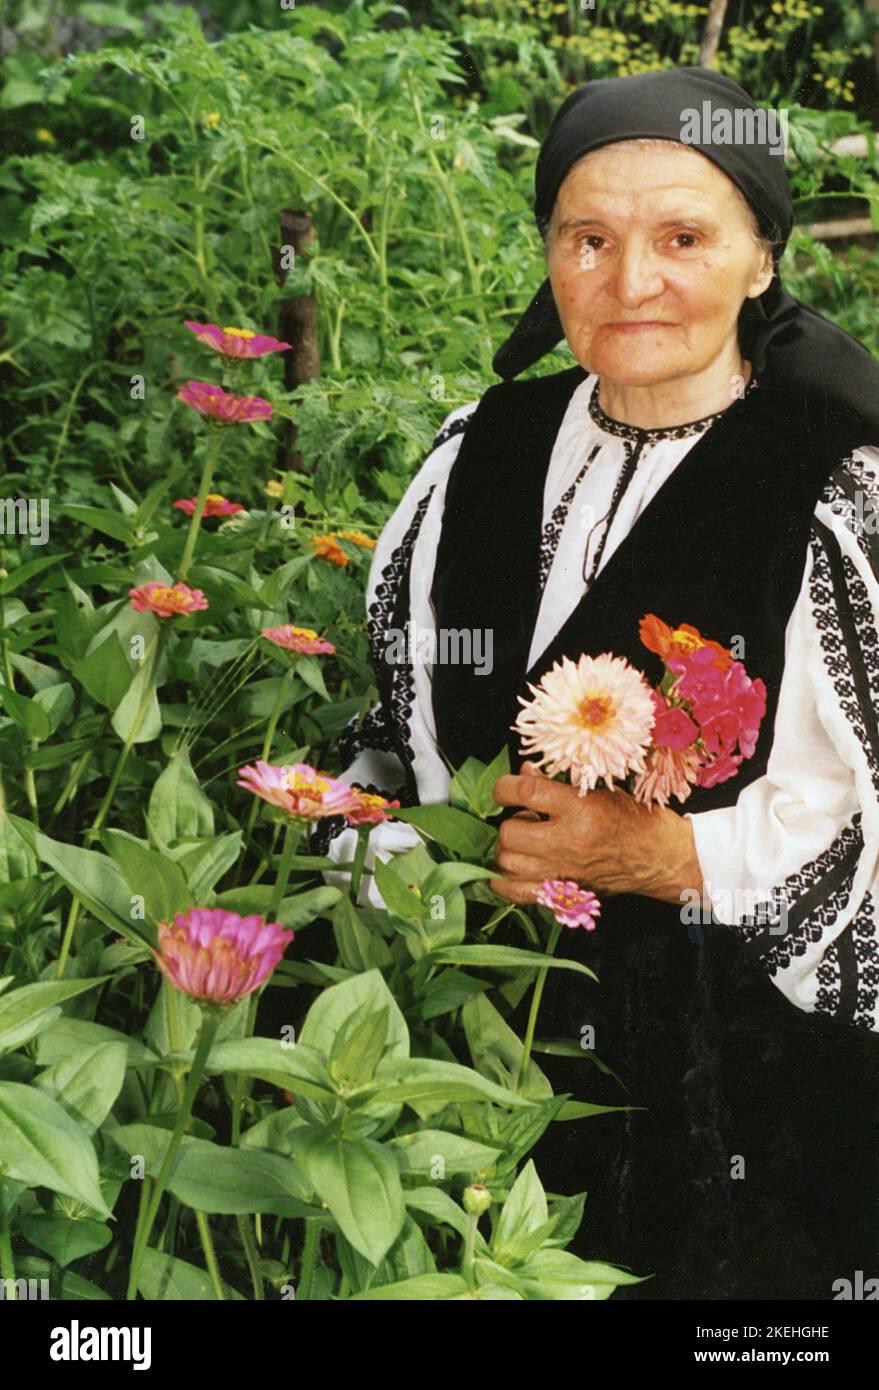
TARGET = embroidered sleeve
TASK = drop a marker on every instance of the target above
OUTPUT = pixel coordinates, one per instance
(381, 752)
(795, 863)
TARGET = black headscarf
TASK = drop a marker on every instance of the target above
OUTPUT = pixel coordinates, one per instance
(788, 344)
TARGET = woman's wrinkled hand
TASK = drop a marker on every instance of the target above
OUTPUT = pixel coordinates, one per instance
(605, 841)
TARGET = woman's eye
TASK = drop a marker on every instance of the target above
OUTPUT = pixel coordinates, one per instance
(691, 237)
(584, 242)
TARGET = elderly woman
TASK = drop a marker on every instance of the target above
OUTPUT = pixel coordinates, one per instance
(711, 458)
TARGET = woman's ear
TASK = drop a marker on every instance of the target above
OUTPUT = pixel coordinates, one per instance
(764, 277)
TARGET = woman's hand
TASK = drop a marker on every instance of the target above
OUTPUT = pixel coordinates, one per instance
(605, 841)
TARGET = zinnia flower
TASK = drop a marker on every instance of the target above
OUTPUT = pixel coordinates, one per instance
(302, 791)
(167, 600)
(326, 547)
(658, 637)
(235, 342)
(215, 505)
(303, 640)
(591, 719)
(371, 809)
(670, 772)
(222, 406)
(217, 957)
(570, 904)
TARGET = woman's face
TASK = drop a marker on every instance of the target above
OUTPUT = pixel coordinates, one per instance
(655, 238)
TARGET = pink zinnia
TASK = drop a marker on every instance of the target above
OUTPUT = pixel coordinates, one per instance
(167, 600)
(303, 640)
(216, 956)
(570, 904)
(371, 809)
(222, 406)
(670, 772)
(215, 505)
(235, 342)
(302, 791)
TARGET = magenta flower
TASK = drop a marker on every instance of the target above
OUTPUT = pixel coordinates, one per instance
(215, 505)
(167, 600)
(570, 904)
(235, 342)
(673, 727)
(371, 809)
(301, 791)
(720, 769)
(303, 640)
(217, 957)
(222, 406)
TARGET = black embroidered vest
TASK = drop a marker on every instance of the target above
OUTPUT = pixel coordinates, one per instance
(722, 545)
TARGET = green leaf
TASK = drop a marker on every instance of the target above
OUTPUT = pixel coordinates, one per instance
(205, 864)
(432, 1287)
(334, 1006)
(56, 702)
(87, 1083)
(163, 1278)
(358, 1046)
(398, 899)
(26, 714)
(24, 1011)
(138, 716)
(452, 828)
(505, 956)
(71, 1036)
(214, 1179)
(92, 877)
(41, 1145)
(359, 1182)
(151, 876)
(359, 948)
(99, 519)
(296, 1068)
(65, 1240)
(557, 1274)
(295, 912)
(497, 1051)
(524, 1213)
(179, 809)
(440, 1155)
(423, 1079)
(105, 672)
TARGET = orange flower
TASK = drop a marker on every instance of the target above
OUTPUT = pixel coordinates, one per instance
(666, 641)
(326, 547)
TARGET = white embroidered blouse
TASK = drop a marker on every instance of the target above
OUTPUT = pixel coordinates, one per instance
(803, 839)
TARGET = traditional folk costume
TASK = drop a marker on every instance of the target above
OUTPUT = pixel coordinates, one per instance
(748, 1037)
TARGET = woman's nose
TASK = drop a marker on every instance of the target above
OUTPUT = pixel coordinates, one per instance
(637, 276)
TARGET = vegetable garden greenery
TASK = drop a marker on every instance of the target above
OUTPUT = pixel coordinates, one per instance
(361, 1125)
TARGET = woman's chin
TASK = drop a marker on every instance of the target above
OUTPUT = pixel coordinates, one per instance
(635, 359)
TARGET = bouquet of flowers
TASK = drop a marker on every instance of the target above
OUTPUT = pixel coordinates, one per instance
(597, 719)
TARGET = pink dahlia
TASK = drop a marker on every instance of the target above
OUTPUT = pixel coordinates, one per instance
(591, 719)
(303, 640)
(222, 406)
(371, 809)
(570, 904)
(167, 600)
(216, 956)
(235, 342)
(215, 505)
(302, 791)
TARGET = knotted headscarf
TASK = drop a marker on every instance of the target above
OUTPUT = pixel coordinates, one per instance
(788, 343)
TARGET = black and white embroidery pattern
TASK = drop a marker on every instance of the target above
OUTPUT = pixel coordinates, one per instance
(552, 531)
(643, 436)
(450, 430)
(866, 950)
(812, 900)
(842, 616)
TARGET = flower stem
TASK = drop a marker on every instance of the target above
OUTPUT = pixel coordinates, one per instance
(248, 1243)
(283, 690)
(535, 1008)
(7, 1261)
(291, 840)
(210, 1023)
(359, 861)
(469, 1247)
(210, 1255)
(309, 1256)
(204, 487)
